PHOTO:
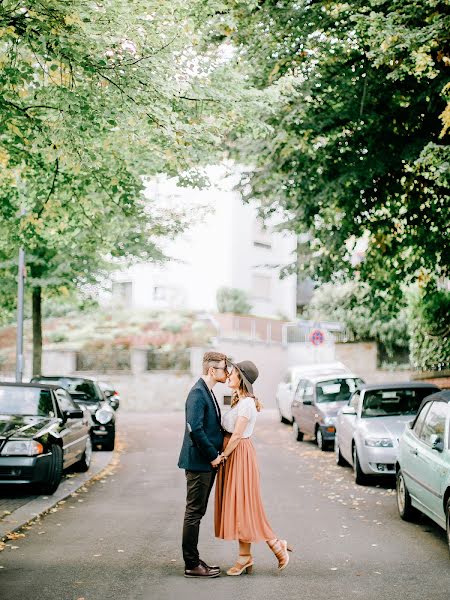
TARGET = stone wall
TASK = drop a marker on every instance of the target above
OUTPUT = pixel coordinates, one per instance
(361, 358)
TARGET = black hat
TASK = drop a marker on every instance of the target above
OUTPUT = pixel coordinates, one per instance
(249, 373)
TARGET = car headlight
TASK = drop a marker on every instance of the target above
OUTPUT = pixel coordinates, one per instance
(379, 442)
(104, 415)
(329, 420)
(23, 448)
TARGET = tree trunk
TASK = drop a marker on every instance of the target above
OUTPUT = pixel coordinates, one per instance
(37, 330)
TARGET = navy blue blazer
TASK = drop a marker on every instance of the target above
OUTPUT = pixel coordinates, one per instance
(203, 441)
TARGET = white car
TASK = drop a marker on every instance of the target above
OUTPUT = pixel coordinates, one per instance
(369, 427)
(286, 388)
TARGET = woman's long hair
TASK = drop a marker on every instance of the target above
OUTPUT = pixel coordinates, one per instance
(242, 391)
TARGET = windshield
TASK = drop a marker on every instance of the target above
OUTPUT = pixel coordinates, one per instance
(80, 389)
(25, 401)
(337, 390)
(390, 403)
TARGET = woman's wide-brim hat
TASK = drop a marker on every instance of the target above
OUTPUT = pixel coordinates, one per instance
(249, 373)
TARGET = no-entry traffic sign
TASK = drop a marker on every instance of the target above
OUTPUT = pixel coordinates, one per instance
(317, 337)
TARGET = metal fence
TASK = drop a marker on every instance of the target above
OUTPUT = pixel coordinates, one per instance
(108, 359)
(173, 360)
(302, 331)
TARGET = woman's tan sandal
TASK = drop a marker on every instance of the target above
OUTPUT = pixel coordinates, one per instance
(239, 568)
(281, 549)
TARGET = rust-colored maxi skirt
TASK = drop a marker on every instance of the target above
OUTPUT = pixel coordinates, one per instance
(239, 512)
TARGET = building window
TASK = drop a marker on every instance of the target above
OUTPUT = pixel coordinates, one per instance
(159, 293)
(122, 292)
(264, 245)
(261, 235)
(261, 286)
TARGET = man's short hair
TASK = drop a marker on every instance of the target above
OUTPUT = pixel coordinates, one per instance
(212, 359)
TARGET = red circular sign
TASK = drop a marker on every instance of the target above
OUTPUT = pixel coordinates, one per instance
(317, 337)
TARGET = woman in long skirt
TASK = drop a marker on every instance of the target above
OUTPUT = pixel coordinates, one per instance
(239, 512)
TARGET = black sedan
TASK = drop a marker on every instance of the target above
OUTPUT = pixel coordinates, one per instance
(42, 432)
(88, 395)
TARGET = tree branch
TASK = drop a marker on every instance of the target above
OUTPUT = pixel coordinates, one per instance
(52, 188)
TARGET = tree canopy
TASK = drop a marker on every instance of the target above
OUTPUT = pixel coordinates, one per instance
(96, 97)
(358, 129)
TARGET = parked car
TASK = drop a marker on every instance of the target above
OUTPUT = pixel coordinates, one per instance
(42, 432)
(286, 388)
(369, 427)
(316, 403)
(88, 395)
(110, 393)
(423, 464)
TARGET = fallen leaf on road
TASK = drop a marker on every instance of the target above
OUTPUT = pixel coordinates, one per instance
(14, 547)
(333, 569)
(97, 554)
(41, 532)
(15, 536)
(120, 550)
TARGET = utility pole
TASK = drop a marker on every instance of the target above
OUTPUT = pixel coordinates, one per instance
(20, 294)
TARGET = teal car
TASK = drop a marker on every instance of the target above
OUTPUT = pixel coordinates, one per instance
(423, 463)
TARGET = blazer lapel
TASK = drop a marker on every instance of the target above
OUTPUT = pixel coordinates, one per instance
(213, 400)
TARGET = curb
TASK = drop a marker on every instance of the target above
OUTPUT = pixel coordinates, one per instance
(42, 504)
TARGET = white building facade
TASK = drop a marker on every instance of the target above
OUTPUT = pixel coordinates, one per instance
(226, 245)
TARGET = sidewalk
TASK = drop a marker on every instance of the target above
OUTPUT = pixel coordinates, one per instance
(17, 508)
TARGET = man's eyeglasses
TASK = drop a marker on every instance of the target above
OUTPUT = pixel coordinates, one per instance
(228, 368)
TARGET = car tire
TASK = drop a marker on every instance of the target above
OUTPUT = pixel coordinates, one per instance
(298, 435)
(321, 444)
(85, 462)
(359, 475)
(283, 419)
(340, 460)
(447, 522)
(405, 508)
(55, 471)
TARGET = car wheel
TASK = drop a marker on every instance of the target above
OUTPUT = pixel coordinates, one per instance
(85, 462)
(55, 471)
(340, 460)
(359, 475)
(447, 519)
(283, 419)
(298, 435)
(321, 444)
(405, 508)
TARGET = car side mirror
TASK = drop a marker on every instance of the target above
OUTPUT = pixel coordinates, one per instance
(438, 444)
(113, 403)
(349, 410)
(73, 413)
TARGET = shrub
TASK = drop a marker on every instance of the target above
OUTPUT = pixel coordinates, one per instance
(232, 300)
(430, 328)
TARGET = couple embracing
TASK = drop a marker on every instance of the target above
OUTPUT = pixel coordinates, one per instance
(221, 445)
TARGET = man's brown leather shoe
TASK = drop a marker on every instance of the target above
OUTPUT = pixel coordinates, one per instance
(212, 567)
(201, 571)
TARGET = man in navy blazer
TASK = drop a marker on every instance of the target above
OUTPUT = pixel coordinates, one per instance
(199, 456)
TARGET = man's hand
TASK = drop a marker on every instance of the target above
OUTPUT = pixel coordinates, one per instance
(216, 462)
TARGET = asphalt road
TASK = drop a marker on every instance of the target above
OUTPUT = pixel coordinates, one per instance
(120, 538)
